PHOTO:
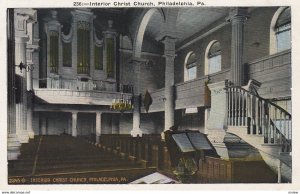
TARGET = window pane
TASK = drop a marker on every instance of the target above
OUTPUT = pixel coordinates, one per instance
(283, 40)
(192, 73)
(214, 64)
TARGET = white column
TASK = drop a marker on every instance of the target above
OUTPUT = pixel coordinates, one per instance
(30, 116)
(98, 126)
(23, 19)
(13, 144)
(29, 100)
(136, 130)
(237, 18)
(74, 124)
(21, 107)
(169, 54)
(29, 79)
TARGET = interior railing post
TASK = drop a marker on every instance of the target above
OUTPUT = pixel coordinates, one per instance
(281, 128)
(238, 107)
(256, 115)
(232, 106)
(263, 114)
(235, 107)
(247, 108)
(289, 135)
(275, 123)
(243, 108)
(269, 124)
(252, 115)
(228, 107)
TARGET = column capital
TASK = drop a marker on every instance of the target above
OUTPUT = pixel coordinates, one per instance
(137, 60)
(137, 63)
(21, 18)
(169, 43)
(167, 35)
(99, 113)
(21, 38)
(110, 32)
(170, 55)
(239, 14)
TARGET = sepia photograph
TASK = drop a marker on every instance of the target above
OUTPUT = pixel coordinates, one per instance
(149, 95)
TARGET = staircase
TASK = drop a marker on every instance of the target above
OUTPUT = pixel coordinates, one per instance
(264, 125)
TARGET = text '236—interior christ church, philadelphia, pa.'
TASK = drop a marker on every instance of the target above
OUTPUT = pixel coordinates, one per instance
(157, 95)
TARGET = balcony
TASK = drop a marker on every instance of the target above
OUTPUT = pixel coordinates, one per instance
(274, 72)
(80, 84)
(79, 91)
(189, 94)
(66, 96)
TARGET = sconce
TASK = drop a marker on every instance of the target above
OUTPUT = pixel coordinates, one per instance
(24, 66)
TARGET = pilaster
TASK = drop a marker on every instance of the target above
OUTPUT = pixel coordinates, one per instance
(110, 34)
(13, 144)
(21, 19)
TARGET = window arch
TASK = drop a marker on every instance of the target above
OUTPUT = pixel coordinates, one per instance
(280, 32)
(190, 67)
(213, 57)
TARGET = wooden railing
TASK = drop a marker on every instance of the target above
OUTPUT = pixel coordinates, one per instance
(261, 116)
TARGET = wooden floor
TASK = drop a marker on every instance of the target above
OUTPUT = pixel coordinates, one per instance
(65, 160)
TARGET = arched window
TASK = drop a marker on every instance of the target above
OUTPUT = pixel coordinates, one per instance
(214, 58)
(283, 30)
(280, 32)
(190, 67)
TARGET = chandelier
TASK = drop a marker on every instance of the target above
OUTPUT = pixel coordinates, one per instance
(121, 104)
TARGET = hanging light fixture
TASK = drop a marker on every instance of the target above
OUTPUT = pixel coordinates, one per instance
(121, 104)
(24, 66)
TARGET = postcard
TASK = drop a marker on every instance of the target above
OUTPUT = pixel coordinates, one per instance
(168, 94)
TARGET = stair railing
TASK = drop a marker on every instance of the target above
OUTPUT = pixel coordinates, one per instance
(260, 116)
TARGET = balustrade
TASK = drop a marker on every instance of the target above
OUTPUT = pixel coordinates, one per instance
(261, 116)
(86, 84)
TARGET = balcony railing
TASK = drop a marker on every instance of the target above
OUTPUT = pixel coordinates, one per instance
(189, 94)
(274, 72)
(83, 85)
(66, 96)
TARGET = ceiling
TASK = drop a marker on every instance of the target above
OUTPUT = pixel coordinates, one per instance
(189, 21)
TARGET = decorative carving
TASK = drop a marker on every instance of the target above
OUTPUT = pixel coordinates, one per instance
(83, 25)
